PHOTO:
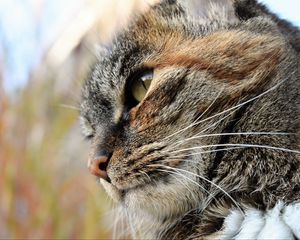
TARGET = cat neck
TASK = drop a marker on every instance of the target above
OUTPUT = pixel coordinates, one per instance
(282, 218)
(143, 225)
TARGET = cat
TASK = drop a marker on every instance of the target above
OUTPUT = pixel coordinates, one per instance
(193, 116)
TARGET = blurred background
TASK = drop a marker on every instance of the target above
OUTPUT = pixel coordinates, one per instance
(46, 49)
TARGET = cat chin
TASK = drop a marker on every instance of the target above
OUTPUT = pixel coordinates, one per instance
(111, 190)
(164, 200)
(161, 200)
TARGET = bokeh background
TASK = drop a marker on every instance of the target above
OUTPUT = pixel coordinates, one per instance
(46, 49)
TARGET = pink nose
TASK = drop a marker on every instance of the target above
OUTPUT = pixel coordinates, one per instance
(98, 167)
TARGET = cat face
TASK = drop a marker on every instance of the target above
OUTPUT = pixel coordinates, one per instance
(161, 95)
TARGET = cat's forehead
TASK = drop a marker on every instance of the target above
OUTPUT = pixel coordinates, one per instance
(127, 52)
(148, 32)
(145, 35)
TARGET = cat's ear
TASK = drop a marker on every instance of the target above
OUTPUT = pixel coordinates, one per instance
(222, 10)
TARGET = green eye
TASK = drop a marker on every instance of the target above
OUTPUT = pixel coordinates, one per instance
(141, 84)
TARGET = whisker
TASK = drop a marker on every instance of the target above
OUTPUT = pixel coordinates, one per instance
(117, 218)
(234, 108)
(234, 134)
(181, 182)
(178, 158)
(175, 158)
(198, 118)
(238, 145)
(175, 171)
(69, 107)
(132, 230)
(205, 179)
(243, 103)
(141, 171)
(209, 127)
(210, 105)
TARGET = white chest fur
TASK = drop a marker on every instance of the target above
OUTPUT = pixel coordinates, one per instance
(281, 222)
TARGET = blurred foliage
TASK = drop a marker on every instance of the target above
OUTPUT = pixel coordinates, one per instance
(46, 191)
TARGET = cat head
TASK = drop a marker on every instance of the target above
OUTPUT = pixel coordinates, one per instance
(161, 92)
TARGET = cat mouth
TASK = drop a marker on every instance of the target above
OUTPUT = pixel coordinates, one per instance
(112, 190)
(121, 185)
(118, 194)
(128, 185)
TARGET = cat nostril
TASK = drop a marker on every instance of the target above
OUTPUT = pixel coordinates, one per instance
(99, 165)
(103, 165)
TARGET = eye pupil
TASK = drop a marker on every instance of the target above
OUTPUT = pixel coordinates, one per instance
(146, 84)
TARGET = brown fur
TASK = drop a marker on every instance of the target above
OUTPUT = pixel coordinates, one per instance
(228, 55)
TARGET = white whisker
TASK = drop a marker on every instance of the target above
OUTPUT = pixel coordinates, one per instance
(132, 229)
(234, 134)
(210, 127)
(238, 145)
(243, 103)
(198, 118)
(205, 179)
(175, 171)
(181, 182)
(234, 108)
(69, 107)
(175, 158)
(145, 174)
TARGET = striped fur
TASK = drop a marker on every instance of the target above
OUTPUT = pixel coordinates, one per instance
(212, 151)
